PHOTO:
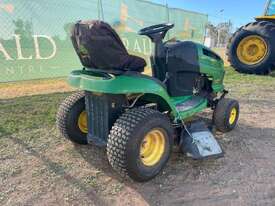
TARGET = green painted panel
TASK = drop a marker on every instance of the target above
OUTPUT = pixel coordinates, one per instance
(35, 35)
(122, 84)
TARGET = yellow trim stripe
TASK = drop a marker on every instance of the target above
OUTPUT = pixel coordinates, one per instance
(265, 17)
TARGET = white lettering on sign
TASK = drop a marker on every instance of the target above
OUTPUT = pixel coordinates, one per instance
(37, 48)
(38, 56)
(19, 49)
(142, 46)
(145, 41)
(137, 47)
(125, 42)
(6, 55)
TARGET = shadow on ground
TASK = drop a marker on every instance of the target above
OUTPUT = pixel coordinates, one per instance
(60, 171)
(232, 179)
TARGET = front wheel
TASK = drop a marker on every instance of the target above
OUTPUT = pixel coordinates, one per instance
(226, 115)
(140, 144)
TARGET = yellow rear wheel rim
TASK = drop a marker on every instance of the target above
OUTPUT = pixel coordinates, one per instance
(152, 147)
(233, 116)
(82, 122)
(252, 50)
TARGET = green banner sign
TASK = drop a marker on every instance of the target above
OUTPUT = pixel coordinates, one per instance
(35, 35)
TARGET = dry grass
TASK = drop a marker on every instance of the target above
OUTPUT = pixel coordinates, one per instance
(35, 87)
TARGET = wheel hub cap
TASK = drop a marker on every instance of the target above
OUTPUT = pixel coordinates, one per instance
(82, 122)
(252, 50)
(233, 116)
(152, 147)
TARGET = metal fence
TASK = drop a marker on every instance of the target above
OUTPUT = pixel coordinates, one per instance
(35, 35)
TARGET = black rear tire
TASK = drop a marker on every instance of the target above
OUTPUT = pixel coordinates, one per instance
(67, 118)
(223, 112)
(266, 31)
(126, 138)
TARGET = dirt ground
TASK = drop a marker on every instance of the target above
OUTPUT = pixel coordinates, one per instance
(38, 167)
(30, 88)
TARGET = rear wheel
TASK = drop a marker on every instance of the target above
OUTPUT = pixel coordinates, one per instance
(252, 48)
(71, 118)
(226, 115)
(140, 143)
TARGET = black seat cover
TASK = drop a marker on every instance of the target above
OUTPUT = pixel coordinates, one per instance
(99, 46)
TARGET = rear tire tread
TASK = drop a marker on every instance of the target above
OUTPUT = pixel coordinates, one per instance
(120, 135)
(63, 112)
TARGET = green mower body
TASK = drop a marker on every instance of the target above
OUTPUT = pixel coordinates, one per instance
(153, 91)
(139, 117)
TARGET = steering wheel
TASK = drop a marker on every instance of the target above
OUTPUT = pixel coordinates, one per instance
(159, 28)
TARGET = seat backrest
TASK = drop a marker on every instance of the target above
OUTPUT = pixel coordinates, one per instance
(99, 46)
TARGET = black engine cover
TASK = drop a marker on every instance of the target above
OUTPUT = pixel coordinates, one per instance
(183, 67)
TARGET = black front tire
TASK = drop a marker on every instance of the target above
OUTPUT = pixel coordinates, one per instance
(125, 140)
(263, 29)
(67, 118)
(223, 112)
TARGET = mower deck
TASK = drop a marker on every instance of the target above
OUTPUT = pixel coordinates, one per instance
(189, 105)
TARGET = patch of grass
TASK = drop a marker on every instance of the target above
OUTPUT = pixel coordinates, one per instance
(7, 171)
(116, 188)
(31, 82)
(28, 113)
(244, 84)
(233, 77)
(91, 181)
(2, 131)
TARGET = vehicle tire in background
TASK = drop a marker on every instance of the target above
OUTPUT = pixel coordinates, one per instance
(251, 50)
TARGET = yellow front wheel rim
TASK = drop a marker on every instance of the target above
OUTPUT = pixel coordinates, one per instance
(152, 147)
(252, 50)
(233, 116)
(82, 122)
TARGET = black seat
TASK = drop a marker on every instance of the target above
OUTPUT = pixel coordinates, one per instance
(134, 63)
(99, 46)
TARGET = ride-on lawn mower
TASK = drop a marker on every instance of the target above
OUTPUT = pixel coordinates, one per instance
(251, 49)
(137, 117)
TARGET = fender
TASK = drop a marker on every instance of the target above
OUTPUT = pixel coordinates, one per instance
(122, 84)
